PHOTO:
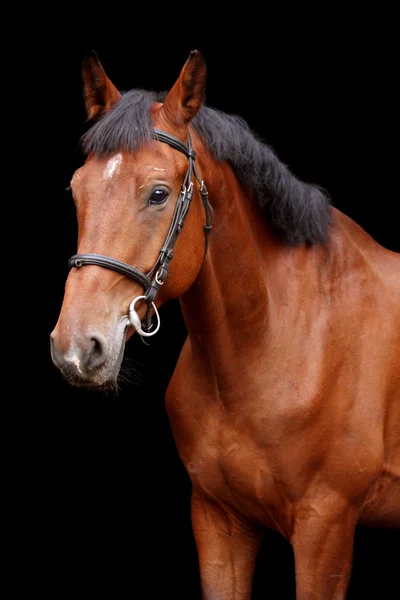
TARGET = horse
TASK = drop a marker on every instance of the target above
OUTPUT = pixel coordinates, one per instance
(285, 400)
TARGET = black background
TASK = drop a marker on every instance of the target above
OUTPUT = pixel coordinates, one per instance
(109, 497)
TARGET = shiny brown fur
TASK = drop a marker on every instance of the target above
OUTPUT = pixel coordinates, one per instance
(285, 402)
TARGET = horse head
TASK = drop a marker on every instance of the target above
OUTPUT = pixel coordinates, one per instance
(132, 196)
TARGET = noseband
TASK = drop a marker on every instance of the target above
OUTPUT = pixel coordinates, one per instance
(154, 279)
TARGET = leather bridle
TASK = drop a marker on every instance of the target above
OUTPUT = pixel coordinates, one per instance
(154, 279)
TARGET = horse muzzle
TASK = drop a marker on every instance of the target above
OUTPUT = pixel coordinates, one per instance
(89, 358)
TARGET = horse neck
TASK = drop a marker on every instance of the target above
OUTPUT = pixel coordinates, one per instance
(230, 297)
(252, 285)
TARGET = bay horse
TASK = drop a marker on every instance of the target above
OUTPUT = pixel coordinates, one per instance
(285, 401)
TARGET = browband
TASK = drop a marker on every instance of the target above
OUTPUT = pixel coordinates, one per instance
(172, 141)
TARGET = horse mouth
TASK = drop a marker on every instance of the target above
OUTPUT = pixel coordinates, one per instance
(102, 384)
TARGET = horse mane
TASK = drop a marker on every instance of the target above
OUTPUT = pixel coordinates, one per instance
(299, 211)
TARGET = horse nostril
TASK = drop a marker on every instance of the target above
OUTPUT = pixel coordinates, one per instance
(98, 352)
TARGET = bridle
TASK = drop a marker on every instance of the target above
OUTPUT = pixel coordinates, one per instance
(154, 279)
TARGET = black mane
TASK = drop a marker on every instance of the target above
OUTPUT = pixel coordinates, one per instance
(299, 211)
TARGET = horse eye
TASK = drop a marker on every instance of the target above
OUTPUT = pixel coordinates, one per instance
(159, 196)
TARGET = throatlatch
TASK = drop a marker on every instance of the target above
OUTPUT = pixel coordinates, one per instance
(154, 279)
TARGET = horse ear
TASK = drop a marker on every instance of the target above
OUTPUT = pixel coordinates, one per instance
(99, 92)
(187, 94)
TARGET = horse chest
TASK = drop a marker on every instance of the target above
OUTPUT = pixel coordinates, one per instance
(224, 460)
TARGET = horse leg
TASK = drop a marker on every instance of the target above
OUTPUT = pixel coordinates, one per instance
(322, 541)
(227, 551)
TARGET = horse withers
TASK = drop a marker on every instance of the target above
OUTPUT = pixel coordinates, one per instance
(285, 400)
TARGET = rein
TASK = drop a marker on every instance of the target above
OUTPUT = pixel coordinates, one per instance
(154, 279)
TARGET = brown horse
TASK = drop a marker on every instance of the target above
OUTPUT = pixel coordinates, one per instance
(285, 401)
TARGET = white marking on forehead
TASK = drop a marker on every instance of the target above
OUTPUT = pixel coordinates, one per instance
(113, 166)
